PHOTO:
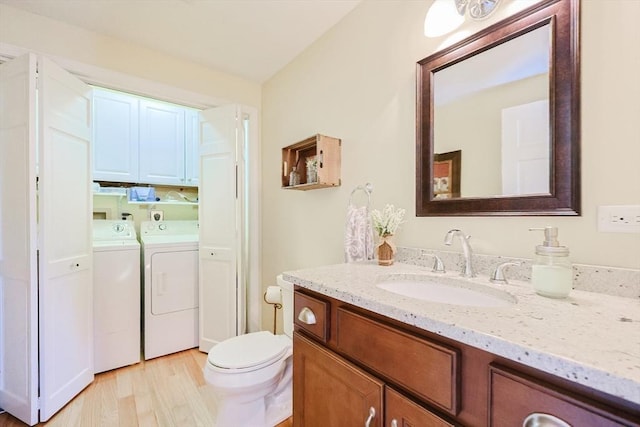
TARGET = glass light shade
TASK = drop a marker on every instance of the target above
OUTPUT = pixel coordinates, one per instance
(442, 18)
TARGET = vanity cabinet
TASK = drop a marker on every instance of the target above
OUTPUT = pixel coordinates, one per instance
(325, 150)
(351, 379)
(348, 360)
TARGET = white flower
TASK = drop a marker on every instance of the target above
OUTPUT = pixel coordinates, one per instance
(312, 163)
(387, 221)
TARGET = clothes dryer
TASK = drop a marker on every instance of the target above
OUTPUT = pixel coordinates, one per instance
(116, 295)
(170, 272)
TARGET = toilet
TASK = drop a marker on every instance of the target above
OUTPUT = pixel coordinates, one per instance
(252, 374)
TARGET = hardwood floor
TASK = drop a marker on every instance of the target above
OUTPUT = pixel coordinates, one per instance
(169, 391)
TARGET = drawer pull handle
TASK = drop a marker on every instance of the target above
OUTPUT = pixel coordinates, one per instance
(544, 420)
(307, 316)
(372, 414)
(394, 423)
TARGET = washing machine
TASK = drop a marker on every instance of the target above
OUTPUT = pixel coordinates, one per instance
(170, 274)
(116, 295)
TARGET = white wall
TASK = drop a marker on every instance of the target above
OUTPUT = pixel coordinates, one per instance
(55, 38)
(358, 83)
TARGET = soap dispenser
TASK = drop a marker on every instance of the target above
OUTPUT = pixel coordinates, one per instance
(552, 275)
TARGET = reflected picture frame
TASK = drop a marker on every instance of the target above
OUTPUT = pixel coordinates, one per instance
(446, 174)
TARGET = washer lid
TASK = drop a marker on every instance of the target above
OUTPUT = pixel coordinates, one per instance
(246, 351)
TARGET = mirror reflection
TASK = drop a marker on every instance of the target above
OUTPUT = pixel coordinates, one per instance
(491, 120)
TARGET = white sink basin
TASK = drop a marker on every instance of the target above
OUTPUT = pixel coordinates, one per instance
(446, 290)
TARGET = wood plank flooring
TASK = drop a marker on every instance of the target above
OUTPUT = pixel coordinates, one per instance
(169, 391)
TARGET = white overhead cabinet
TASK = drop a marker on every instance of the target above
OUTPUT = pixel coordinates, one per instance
(162, 143)
(46, 287)
(115, 136)
(144, 141)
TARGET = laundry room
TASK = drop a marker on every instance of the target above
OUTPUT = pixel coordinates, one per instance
(145, 188)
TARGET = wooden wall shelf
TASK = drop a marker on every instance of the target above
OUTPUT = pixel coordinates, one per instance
(325, 149)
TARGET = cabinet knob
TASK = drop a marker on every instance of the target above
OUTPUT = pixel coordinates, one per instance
(544, 420)
(307, 316)
(372, 415)
(394, 423)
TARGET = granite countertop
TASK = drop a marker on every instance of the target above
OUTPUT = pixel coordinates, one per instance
(589, 338)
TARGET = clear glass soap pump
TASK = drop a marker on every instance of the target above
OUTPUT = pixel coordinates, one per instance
(552, 274)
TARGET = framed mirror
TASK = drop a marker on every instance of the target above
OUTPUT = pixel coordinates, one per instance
(506, 101)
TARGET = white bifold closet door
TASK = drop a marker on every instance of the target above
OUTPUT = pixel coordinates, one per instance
(219, 218)
(18, 244)
(46, 307)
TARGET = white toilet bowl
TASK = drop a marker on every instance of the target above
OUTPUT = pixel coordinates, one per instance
(252, 375)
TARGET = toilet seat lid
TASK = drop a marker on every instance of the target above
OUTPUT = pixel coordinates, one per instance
(252, 350)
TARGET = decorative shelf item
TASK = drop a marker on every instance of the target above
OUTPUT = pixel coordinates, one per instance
(312, 163)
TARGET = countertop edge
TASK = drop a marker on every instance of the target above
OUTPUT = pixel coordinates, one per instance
(569, 369)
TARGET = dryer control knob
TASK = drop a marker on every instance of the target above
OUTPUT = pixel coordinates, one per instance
(162, 226)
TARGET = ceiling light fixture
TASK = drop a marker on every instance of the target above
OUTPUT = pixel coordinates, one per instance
(445, 16)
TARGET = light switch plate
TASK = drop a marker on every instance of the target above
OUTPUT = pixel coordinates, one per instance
(619, 219)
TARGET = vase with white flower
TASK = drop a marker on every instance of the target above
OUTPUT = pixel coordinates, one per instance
(312, 169)
(386, 223)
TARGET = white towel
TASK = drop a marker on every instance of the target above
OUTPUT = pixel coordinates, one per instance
(358, 235)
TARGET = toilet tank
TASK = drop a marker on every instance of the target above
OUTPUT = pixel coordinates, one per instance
(287, 305)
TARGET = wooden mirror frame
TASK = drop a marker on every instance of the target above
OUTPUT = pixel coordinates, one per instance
(564, 117)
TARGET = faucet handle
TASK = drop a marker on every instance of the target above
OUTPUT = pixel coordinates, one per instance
(498, 274)
(438, 265)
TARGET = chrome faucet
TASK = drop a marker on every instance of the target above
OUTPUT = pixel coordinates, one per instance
(467, 269)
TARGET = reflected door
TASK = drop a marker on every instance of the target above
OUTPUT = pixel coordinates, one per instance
(525, 149)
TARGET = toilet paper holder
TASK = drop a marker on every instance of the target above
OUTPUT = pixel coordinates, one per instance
(273, 296)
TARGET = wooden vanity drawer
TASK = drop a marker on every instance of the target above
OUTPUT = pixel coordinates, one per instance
(312, 315)
(424, 368)
(514, 397)
(407, 413)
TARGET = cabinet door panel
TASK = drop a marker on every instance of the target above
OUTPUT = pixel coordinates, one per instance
(328, 391)
(425, 368)
(407, 413)
(514, 397)
(161, 143)
(115, 136)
